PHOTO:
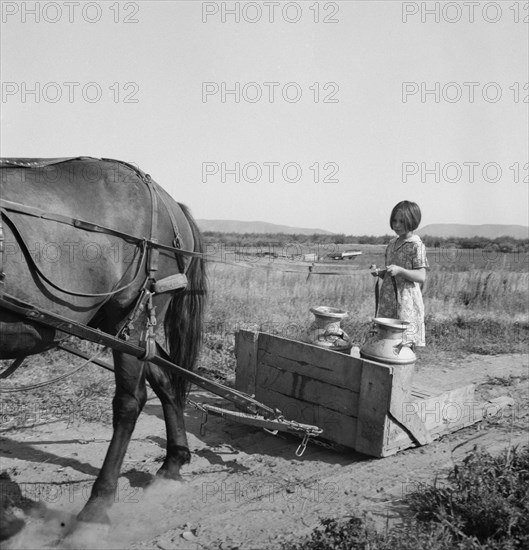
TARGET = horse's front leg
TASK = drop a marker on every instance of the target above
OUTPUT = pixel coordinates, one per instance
(129, 399)
(173, 409)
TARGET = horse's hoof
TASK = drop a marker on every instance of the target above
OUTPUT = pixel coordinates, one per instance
(166, 474)
(178, 455)
(94, 513)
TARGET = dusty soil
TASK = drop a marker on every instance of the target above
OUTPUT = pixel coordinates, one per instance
(244, 488)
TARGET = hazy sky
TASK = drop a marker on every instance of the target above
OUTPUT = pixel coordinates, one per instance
(327, 113)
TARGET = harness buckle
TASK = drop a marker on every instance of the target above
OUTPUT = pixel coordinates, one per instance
(148, 336)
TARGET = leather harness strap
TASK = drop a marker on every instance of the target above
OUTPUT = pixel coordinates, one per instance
(153, 252)
(144, 302)
(61, 218)
(20, 208)
(6, 373)
(2, 274)
(68, 291)
(177, 239)
(36, 163)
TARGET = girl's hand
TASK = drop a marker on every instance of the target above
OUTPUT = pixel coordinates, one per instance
(394, 270)
(377, 272)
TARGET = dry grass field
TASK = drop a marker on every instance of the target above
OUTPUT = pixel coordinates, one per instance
(475, 300)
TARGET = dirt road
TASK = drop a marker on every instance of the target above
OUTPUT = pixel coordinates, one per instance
(244, 488)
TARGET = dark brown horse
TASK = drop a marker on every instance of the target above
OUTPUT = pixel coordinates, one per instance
(79, 240)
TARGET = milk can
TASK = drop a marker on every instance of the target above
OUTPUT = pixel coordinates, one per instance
(389, 344)
(325, 330)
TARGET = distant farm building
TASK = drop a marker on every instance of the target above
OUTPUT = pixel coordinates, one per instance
(351, 255)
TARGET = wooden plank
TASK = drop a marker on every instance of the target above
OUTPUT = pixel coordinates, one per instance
(348, 377)
(321, 364)
(441, 414)
(246, 342)
(375, 395)
(306, 388)
(336, 427)
(402, 381)
(400, 394)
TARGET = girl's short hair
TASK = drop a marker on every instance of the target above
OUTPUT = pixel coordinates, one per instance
(410, 212)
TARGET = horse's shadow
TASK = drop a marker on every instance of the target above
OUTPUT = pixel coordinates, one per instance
(27, 452)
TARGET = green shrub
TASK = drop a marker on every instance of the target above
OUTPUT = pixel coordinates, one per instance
(484, 505)
(487, 498)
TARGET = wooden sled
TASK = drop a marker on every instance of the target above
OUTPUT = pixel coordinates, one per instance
(370, 407)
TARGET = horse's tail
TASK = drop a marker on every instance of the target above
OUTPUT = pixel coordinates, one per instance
(183, 320)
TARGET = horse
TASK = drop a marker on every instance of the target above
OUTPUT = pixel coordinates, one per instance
(89, 239)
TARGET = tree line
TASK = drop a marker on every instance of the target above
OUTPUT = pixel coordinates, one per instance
(501, 244)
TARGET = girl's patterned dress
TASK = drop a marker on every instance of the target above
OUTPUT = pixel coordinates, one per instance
(406, 302)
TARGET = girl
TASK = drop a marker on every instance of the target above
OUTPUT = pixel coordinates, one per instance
(405, 273)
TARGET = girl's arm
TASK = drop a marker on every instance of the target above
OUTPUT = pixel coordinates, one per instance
(413, 275)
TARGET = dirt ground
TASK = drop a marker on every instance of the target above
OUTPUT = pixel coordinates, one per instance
(244, 488)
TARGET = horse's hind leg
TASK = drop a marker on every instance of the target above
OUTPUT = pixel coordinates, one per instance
(177, 447)
(129, 399)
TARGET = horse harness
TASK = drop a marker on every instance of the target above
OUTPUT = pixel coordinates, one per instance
(150, 250)
(2, 274)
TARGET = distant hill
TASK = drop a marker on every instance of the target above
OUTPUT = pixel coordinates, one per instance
(488, 231)
(446, 230)
(235, 226)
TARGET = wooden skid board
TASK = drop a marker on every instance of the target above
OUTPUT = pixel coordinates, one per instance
(370, 407)
(440, 412)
